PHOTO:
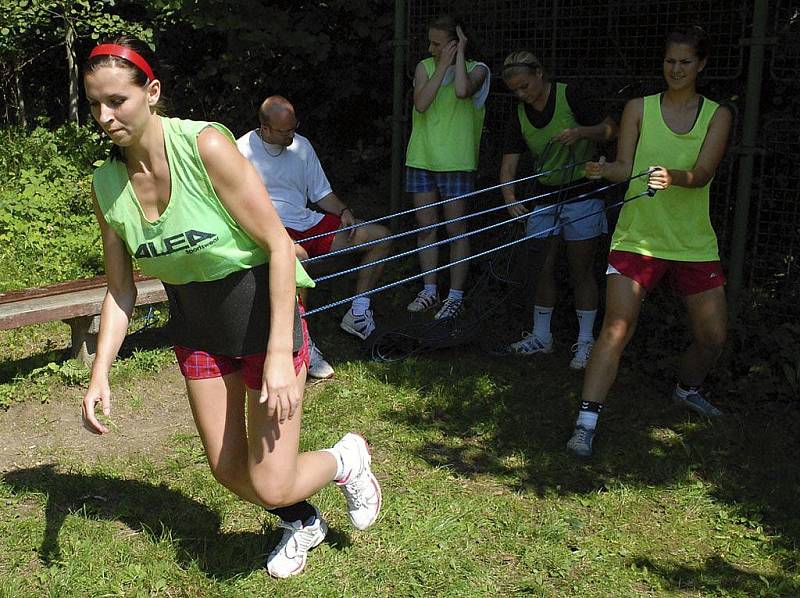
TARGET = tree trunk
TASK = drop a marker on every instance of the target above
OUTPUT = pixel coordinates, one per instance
(22, 117)
(72, 68)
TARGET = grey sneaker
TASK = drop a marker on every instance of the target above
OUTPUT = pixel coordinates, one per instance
(318, 367)
(582, 350)
(697, 402)
(423, 302)
(451, 307)
(529, 345)
(289, 556)
(581, 441)
(360, 326)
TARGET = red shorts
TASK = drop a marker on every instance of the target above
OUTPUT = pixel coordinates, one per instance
(686, 278)
(200, 365)
(315, 247)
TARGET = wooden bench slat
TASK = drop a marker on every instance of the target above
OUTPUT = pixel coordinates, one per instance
(61, 288)
(71, 304)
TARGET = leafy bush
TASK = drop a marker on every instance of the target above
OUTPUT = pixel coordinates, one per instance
(47, 228)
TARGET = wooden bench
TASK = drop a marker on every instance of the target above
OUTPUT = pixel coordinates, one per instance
(76, 302)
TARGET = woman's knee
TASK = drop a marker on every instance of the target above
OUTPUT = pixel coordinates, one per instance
(712, 339)
(616, 333)
(456, 228)
(273, 493)
(234, 476)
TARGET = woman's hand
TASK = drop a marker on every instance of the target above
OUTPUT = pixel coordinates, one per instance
(279, 386)
(448, 55)
(462, 40)
(98, 392)
(659, 178)
(517, 210)
(569, 136)
(595, 170)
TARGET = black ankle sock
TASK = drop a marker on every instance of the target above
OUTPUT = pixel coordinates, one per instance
(591, 406)
(301, 511)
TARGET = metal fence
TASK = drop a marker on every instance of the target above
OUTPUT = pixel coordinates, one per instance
(616, 48)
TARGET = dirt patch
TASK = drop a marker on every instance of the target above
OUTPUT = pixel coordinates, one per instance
(144, 416)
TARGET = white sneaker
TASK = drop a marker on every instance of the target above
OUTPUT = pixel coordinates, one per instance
(289, 556)
(582, 351)
(423, 302)
(451, 307)
(360, 487)
(318, 367)
(361, 326)
(529, 345)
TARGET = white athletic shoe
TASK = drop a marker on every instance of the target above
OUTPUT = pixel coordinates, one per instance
(318, 367)
(360, 487)
(529, 345)
(451, 307)
(289, 556)
(423, 302)
(582, 350)
(360, 326)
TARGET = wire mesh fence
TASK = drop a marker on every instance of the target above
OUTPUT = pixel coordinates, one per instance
(615, 48)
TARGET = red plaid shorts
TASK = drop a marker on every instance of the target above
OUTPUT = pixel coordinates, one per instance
(200, 365)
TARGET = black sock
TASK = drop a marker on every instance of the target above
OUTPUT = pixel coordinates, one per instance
(591, 406)
(300, 511)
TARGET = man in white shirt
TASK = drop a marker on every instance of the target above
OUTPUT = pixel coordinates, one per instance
(293, 175)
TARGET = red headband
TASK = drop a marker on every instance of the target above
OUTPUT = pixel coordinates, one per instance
(127, 54)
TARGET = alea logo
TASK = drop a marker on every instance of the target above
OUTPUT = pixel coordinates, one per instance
(188, 240)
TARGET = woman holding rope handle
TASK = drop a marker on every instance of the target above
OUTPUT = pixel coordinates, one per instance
(560, 125)
(682, 136)
(178, 196)
(450, 91)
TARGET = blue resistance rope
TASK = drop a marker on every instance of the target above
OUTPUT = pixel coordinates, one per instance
(649, 192)
(438, 203)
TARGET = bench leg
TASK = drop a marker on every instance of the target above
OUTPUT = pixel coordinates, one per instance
(84, 338)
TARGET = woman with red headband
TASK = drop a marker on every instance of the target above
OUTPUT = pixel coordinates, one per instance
(178, 196)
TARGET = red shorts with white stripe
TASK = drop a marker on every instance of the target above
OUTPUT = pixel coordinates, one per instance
(686, 278)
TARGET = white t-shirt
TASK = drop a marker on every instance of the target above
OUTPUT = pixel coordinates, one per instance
(293, 177)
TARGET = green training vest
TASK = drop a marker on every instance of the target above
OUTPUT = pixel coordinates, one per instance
(557, 154)
(675, 224)
(446, 137)
(195, 239)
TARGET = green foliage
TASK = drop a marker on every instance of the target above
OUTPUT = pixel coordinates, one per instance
(47, 228)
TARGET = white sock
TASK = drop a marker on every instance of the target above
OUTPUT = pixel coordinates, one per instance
(541, 322)
(586, 324)
(455, 294)
(360, 305)
(339, 463)
(430, 289)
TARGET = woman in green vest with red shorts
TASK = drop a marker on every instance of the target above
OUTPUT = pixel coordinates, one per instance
(681, 136)
(560, 125)
(449, 95)
(179, 197)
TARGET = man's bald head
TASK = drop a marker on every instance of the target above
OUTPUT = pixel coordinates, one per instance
(274, 106)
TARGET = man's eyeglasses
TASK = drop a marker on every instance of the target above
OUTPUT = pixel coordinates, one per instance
(281, 131)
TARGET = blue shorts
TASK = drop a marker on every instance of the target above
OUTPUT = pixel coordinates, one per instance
(576, 221)
(448, 184)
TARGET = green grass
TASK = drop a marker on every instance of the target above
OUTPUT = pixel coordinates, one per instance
(480, 497)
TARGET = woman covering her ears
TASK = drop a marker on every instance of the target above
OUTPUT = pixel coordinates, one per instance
(177, 195)
(450, 91)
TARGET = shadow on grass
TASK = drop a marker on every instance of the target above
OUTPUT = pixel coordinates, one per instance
(715, 577)
(511, 418)
(156, 511)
